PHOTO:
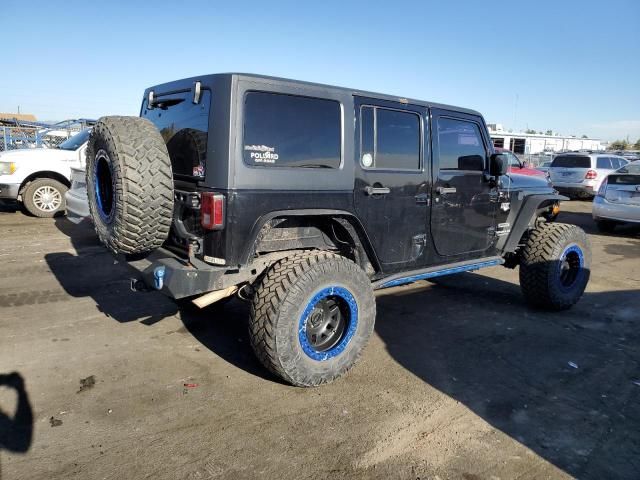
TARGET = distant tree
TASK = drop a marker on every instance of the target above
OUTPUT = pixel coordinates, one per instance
(584, 136)
(549, 132)
(618, 145)
(636, 146)
(528, 130)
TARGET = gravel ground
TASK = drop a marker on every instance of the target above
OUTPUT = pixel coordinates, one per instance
(460, 379)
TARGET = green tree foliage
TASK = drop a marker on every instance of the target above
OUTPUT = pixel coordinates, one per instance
(619, 145)
(528, 130)
(636, 146)
(584, 136)
(549, 132)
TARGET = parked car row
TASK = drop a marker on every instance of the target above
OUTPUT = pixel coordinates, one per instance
(618, 198)
(47, 181)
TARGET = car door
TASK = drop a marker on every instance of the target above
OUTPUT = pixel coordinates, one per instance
(463, 212)
(391, 193)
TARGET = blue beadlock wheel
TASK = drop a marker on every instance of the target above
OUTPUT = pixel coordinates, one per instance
(311, 315)
(104, 186)
(570, 266)
(555, 266)
(328, 323)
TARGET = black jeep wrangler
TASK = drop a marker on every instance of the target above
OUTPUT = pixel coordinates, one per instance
(305, 198)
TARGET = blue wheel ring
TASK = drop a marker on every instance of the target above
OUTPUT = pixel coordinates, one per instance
(350, 330)
(573, 251)
(97, 181)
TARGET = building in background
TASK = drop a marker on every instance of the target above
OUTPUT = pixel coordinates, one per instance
(536, 143)
(20, 117)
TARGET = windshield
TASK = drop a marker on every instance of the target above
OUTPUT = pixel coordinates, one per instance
(571, 161)
(633, 168)
(513, 160)
(75, 142)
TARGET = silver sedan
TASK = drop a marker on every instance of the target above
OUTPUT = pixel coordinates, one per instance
(618, 199)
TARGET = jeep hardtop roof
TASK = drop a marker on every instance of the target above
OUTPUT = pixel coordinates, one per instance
(233, 77)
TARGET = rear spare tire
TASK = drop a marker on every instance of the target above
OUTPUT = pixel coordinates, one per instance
(129, 184)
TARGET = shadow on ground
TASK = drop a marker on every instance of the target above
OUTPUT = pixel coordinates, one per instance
(7, 206)
(472, 338)
(469, 336)
(16, 429)
(94, 273)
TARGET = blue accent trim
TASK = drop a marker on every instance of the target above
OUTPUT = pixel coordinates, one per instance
(440, 273)
(103, 215)
(98, 196)
(572, 248)
(158, 277)
(347, 335)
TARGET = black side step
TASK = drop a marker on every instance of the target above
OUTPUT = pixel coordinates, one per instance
(437, 271)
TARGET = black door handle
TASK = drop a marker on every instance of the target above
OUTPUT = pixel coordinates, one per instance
(376, 190)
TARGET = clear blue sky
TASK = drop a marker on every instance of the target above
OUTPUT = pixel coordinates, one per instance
(570, 66)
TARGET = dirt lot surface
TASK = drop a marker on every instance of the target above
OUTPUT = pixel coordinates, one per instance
(460, 380)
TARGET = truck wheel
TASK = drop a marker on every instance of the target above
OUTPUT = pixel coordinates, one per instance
(44, 197)
(555, 266)
(311, 316)
(129, 184)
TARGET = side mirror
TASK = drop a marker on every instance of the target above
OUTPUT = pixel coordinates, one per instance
(498, 165)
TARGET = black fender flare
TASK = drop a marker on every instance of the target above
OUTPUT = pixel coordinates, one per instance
(346, 219)
(520, 219)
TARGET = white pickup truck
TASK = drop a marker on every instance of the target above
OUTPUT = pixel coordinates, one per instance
(40, 177)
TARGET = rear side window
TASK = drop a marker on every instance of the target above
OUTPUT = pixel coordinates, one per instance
(390, 139)
(460, 145)
(183, 126)
(571, 161)
(617, 163)
(604, 162)
(291, 131)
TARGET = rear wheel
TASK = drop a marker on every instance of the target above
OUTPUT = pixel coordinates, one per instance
(555, 266)
(44, 197)
(311, 317)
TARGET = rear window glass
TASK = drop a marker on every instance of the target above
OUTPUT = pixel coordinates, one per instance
(604, 162)
(571, 161)
(291, 131)
(183, 126)
(624, 179)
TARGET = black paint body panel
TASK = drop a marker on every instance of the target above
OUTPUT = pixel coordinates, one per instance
(406, 229)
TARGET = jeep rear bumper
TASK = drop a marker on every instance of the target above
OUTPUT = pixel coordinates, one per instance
(176, 277)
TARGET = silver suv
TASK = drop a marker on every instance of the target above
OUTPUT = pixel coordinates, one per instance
(580, 174)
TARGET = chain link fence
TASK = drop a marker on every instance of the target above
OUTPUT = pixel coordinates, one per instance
(28, 136)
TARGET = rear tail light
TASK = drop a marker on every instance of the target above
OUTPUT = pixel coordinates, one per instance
(212, 211)
(591, 174)
(602, 191)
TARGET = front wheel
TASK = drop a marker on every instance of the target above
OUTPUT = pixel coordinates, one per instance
(555, 266)
(311, 316)
(44, 197)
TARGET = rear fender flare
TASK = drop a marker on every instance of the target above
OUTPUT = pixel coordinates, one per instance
(345, 219)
